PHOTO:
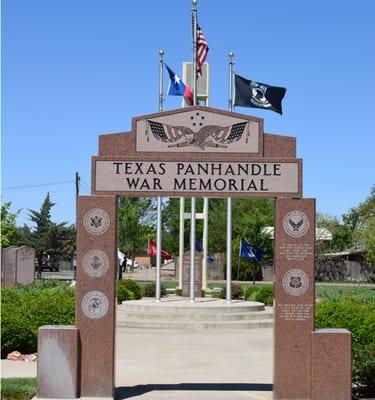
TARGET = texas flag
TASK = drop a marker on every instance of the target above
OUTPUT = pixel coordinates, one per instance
(178, 88)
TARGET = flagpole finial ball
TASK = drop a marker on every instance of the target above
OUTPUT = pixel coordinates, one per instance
(161, 52)
(231, 54)
(195, 2)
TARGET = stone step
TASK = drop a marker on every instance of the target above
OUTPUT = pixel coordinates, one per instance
(131, 315)
(173, 324)
(180, 313)
(180, 305)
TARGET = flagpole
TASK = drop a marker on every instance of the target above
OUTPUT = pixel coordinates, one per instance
(193, 199)
(229, 199)
(181, 242)
(231, 63)
(161, 70)
(195, 75)
(159, 199)
(192, 251)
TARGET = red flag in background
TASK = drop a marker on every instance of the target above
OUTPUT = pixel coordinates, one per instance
(151, 250)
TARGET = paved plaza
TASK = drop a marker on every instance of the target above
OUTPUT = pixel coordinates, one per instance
(180, 364)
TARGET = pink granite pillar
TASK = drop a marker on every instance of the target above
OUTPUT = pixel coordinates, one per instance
(294, 297)
(95, 293)
(331, 364)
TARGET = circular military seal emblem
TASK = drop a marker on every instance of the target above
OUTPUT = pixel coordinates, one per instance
(95, 263)
(95, 304)
(295, 282)
(296, 223)
(96, 221)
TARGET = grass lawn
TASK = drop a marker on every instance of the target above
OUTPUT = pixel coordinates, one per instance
(18, 388)
(327, 291)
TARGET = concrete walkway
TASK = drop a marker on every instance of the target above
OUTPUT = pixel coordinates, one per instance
(153, 364)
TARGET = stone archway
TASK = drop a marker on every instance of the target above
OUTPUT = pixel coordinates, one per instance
(200, 151)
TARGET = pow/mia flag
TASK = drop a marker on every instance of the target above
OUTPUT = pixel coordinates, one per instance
(258, 95)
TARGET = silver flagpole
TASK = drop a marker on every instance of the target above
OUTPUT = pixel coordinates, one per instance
(181, 244)
(158, 250)
(159, 199)
(205, 243)
(194, 11)
(192, 251)
(161, 70)
(229, 199)
(193, 200)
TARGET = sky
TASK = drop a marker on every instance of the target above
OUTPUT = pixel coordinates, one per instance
(72, 70)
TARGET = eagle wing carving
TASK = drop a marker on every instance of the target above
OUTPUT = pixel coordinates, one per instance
(229, 134)
(220, 134)
(168, 133)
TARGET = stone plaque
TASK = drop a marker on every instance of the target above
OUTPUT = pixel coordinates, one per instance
(95, 304)
(25, 265)
(95, 263)
(197, 275)
(295, 282)
(294, 297)
(96, 221)
(296, 223)
(266, 178)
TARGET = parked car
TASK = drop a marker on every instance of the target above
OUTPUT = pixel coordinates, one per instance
(47, 265)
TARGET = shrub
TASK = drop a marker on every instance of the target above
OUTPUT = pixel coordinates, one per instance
(132, 286)
(264, 295)
(124, 294)
(149, 290)
(249, 292)
(218, 294)
(359, 318)
(236, 289)
(178, 292)
(25, 309)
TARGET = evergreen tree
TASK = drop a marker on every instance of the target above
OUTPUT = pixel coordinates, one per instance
(49, 239)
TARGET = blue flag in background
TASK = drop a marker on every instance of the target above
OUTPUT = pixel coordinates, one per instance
(199, 248)
(250, 252)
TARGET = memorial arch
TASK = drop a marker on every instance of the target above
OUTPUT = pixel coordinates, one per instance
(201, 151)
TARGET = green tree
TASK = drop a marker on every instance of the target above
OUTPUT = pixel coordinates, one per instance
(56, 240)
(361, 220)
(342, 234)
(250, 216)
(136, 224)
(9, 231)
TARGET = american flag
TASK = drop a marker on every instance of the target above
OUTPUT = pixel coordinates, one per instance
(202, 50)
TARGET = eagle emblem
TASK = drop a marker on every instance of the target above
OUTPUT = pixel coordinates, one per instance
(207, 136)
(296, 225)
(96, 221)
